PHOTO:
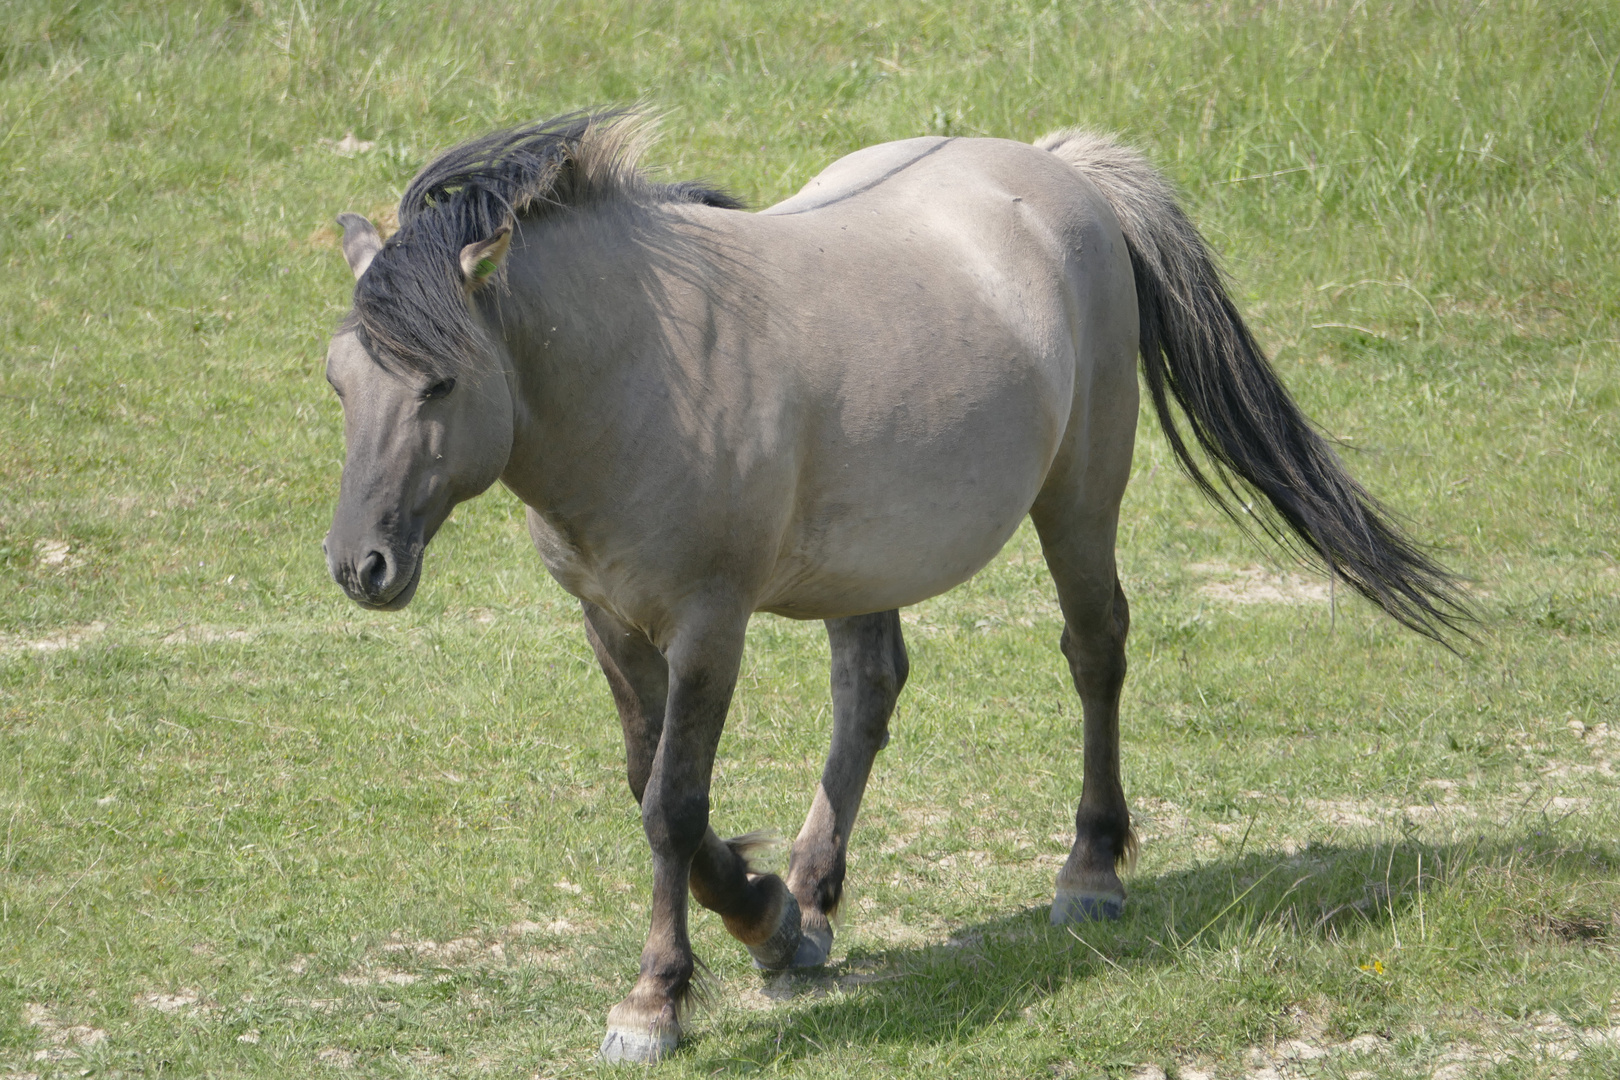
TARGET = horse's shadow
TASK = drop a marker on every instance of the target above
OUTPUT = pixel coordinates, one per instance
(998, 968)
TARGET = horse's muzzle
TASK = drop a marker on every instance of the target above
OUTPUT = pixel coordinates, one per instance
(379, 578)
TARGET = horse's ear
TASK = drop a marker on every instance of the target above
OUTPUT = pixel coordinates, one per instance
(480, 260)
(360, 242)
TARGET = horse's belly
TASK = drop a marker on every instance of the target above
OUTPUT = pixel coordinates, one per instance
(903, 574)
(857, 549)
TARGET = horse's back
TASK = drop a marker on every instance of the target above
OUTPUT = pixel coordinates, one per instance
(855, 173)
(945, 329)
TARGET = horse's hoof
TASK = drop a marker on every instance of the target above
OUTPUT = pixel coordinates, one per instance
(781, 949)
(638, 1046)
(640, 1032)
(814, 947)
(1086, 907)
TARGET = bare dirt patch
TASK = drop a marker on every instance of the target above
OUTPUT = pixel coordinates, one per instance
(522, 928)
(891, 932)
(185, 1002)
(1258, 585)
(70, 638)
(380, 977)
(1288, 1058)
(1545, 1038)
(348, 146)
(65, 1039)
(207, 635)
(1344, 813)
(59, 555)
(388, 964)
(1153, 819)
(337, 1058)
(447, 953)
(811, 983)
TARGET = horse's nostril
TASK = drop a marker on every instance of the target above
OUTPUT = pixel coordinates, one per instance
(374, 572)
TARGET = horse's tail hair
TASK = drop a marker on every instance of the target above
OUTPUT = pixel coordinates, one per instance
(1196, 349)
(749, 845)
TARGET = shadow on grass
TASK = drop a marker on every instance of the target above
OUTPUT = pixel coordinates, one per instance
(994, 970)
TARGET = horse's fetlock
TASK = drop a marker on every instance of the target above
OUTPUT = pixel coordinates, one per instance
(817, 880)
(1105, 832)
(830, 890)
(665, 975)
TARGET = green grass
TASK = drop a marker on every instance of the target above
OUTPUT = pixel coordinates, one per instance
(229, 786)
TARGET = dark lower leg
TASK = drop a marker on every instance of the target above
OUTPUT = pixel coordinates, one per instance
(1094, 644)
(675, 817)
(638, 675)
(869, 667)
(647, 1024)
(757, 909)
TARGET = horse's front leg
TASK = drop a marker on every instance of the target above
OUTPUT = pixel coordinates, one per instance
(869, 667)
(701, 673)
(757, 909)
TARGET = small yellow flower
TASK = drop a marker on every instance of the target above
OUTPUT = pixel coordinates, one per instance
(1376, 967)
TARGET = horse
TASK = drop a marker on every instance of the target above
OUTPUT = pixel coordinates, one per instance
(829, 409)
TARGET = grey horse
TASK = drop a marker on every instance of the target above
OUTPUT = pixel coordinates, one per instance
(829, 409)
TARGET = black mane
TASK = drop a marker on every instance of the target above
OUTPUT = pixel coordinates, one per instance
(410, 305)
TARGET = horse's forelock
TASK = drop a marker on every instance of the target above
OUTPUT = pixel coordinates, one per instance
(410, 309)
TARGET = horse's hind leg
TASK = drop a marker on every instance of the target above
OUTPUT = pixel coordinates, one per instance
(869, 668)
(1079, 549)
(758, 910)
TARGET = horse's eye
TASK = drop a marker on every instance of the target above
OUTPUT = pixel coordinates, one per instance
(440, 388)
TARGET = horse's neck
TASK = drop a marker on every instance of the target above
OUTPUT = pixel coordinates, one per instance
(580, 308)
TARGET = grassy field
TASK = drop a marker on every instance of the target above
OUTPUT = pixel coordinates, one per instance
(252, 830)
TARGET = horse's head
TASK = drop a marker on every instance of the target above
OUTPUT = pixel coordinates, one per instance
(422, 432)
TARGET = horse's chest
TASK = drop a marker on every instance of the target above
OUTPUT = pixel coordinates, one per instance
(564, 559)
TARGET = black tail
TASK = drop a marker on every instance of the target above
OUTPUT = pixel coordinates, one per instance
(1196, 348)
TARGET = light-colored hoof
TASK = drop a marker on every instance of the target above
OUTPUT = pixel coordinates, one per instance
(638, 1046)
(1086, 907)
(781, 949)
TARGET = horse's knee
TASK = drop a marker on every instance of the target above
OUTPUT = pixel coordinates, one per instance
(890, 666)
(885, 679)
(1121, 612)
(900, 664)
(675, 822)
(1098, 623)
(636, 774)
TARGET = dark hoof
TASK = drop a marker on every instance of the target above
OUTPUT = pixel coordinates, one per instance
(814, 948)
(781, 949)
(1086, 907)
